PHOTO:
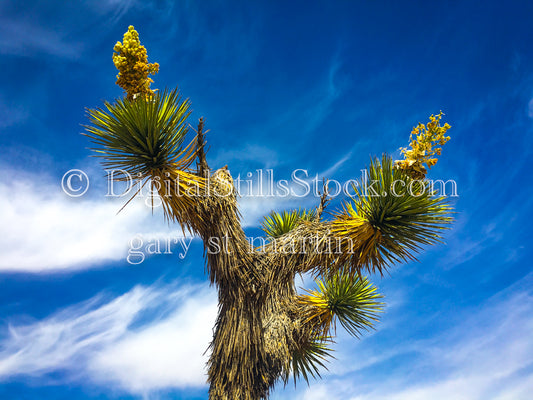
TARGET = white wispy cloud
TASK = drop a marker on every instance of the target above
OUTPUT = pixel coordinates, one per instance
(254, 154)
(114, 10)
(325, 96)
(25, 33)
(312, 107)
(43, 229)
(25, 38)
(173, 349)
(55, 342)
(144, 340)
(329, 172)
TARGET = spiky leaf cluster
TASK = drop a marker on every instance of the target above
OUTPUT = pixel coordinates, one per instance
(277, 224)
(351, 300)
(143, 141)
(310, 357)
(390, 219)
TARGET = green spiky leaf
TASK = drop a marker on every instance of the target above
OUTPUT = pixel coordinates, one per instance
(277, 224)
(400, 216)
(143, 135)
(310, 357)
(351, 300)
(142, 140)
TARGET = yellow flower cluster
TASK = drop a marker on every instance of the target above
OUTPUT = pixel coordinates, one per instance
(424, 140)
(131, 60)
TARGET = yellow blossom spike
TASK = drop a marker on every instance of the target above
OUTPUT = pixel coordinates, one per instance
(131, 60)
(424, 140)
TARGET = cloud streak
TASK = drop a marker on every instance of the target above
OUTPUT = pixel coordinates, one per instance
(24, 38)
(112, 341)
(45, 230)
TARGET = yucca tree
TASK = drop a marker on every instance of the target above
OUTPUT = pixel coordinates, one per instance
(266, 331)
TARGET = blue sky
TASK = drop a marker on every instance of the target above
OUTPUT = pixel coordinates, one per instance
(319, 86)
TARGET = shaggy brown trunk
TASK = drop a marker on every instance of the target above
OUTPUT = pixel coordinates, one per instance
(257, 323)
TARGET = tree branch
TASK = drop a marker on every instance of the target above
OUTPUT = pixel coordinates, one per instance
(323, 200)
(201, 164)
